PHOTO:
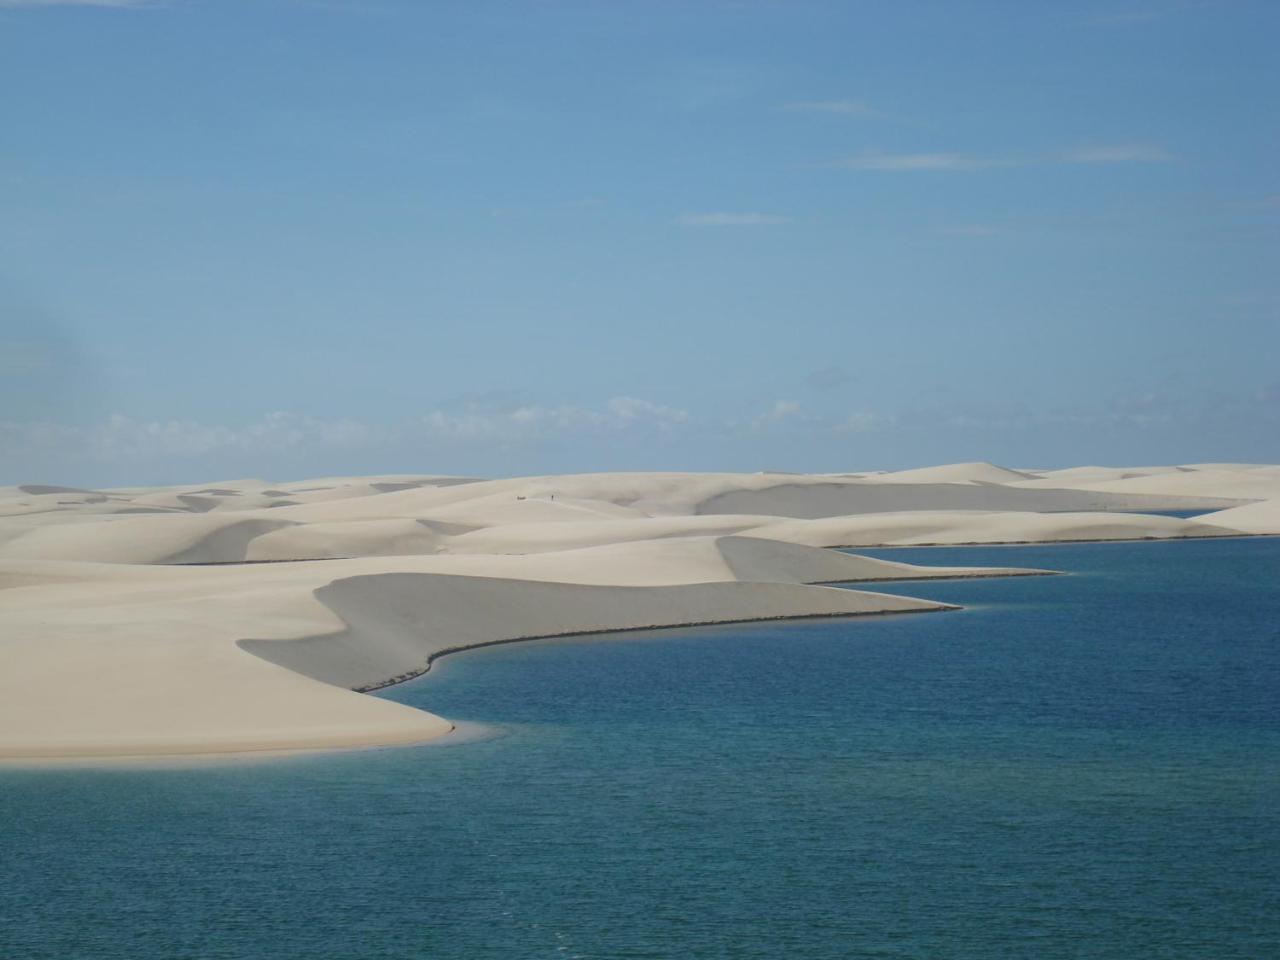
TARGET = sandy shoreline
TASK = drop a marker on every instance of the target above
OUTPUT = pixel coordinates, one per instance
(426, 668)
(194, 621)
(1033, 543)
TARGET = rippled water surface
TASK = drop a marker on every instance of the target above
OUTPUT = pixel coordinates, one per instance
(1077, 766)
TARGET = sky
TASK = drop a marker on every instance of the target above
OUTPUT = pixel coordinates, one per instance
(290, 238)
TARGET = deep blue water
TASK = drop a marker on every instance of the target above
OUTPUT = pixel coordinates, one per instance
(1076, 766)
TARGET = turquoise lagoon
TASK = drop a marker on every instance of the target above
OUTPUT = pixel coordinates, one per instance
(1075, 766)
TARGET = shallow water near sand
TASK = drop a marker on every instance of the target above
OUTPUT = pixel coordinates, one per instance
(1075, 766)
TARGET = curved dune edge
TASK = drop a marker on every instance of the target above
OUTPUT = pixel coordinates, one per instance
(131, 624)
(397, 624)
(305, 683)
(91, 666)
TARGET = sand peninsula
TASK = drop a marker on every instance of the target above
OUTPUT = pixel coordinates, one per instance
(202, 620)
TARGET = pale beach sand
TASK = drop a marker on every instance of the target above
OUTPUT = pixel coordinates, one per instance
(243, 615)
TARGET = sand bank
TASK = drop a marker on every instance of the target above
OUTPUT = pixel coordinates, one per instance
(131, 624)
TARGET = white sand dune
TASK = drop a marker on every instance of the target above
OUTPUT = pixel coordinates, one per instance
(535, 537)
(1262, 517)
(355, 538)
(1254, 483)
(814, 500)
(241, 615)
(952, 527)
(148, 538)
(1239, 481)
(398, 622)
(1074, 475)
(682, 560)
(237, 495)
(958, 473)
(127, 660)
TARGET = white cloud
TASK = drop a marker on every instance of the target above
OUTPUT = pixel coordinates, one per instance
(730, 219)
(781, 410)
(530, 421)
(124, 438)
(790, 414)
(630, 409)
(522, 423)
(121, 439)
(539, 421)
(850, 108)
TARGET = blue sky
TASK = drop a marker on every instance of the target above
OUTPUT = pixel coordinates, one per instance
(281, 238)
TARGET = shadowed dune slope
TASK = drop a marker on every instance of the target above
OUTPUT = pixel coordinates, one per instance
(811, 501)
(148, 538)
(958, 473)
(397, 622)
(917, 528)
(753, 558)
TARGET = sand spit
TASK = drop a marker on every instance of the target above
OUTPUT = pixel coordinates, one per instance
(398, 623)
(134, 622)
(105, 659)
